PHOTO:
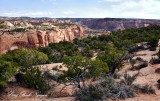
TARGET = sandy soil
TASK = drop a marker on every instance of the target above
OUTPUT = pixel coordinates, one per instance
(147, 76)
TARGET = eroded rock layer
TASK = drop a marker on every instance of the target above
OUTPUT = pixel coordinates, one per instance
(37, 38)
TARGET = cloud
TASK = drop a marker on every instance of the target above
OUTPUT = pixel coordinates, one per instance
(53, 2)
(110, 0)
(47, 0)
(135, 8)
(148, 9)
(68, 12)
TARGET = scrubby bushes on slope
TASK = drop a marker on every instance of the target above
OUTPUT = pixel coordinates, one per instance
(7, 70)
(29, 75)
(105, 90)
(111, 50)
(80, 69)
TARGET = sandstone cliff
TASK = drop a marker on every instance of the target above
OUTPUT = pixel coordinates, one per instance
(37, 38)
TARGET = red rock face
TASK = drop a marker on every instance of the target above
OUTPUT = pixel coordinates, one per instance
(36, 38)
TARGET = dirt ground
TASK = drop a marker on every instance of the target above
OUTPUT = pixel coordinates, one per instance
(147, 76)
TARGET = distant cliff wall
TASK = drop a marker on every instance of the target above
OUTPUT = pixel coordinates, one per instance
(111, 24)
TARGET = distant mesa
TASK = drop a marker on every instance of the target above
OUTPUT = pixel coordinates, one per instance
(112, 24)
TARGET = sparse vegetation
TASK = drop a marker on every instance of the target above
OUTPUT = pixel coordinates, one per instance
(158, 54)
(153, 42)
(34, 78)
(121, 91)
(7, 70)
(158, 85)
(63, 25)
(96, 92)
(142, 65)
(155, 61)
(28, 75)
(111, 51)
(18, 30)
(157, 70)
(128, 80)
(79, 69)
(105, 90)
(144, 89)
(139, 59)
(147, 89)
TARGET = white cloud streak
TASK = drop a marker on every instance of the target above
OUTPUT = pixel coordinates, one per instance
(149, 9)
(110, 0)
(68, 12)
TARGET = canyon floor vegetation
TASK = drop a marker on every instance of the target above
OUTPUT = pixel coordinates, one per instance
(93, 66)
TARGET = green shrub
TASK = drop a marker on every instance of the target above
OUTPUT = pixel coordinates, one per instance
(90, 93)
(55, 58)
(7, 70)
(157, 71)
(18, 30)
(104, 90)
(28, 74)
(121, 91)
(158, 85)
(153, 42)
(36, 79)
(47, 50)
(129, 79)
(155, 61)
(87, 52)
(147, 89)
(139, 59)
(152, 48)
(144, 89)
(96, 92)
(142, 65)
(158, 54)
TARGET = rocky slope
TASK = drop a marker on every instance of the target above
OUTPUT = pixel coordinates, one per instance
(108, 24)
(111, 24)
(32, 38)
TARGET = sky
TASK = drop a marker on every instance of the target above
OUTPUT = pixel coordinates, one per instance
(146, 9)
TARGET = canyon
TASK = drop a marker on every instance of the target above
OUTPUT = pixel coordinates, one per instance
(19, 32)
(13, 38)
(112, 24)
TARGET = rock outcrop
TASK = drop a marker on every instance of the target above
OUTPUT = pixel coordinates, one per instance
(6, 24)
(37, 38)
(22, 24)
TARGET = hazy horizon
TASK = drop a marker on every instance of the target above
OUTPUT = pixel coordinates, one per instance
(79, 17)
(134, 9)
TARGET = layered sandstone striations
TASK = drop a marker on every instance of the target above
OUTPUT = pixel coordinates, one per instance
(33, 38)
